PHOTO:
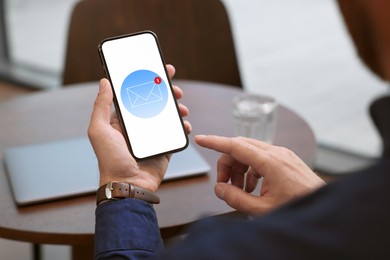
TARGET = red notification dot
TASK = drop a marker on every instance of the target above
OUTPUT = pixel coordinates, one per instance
(157, 80)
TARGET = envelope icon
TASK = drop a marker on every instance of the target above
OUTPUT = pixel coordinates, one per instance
(144, 94)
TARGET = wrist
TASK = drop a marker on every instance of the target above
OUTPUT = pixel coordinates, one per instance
(145, 184)
(120, 190)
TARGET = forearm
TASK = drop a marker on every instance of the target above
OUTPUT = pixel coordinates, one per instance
(127, 228)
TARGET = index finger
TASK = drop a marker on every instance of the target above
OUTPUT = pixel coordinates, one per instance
(239, 148)
(171, 70)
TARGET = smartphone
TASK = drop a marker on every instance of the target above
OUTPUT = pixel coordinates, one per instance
(143, 95)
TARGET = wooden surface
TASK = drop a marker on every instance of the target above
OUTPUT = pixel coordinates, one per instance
(65, 113)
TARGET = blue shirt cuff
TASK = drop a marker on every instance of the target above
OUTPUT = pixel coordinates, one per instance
(127, 227)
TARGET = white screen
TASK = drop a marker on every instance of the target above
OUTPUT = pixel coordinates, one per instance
(144, 95)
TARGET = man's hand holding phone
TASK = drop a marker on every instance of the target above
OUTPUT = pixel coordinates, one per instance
(109, 144)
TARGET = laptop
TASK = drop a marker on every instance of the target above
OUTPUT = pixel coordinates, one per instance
(56, 170)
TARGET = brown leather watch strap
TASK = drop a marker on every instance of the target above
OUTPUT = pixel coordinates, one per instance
(120, 190)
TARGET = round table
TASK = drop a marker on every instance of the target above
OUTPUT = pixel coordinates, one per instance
(64, 113)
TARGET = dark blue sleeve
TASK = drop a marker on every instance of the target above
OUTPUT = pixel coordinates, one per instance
(347, 219)
(127, 229)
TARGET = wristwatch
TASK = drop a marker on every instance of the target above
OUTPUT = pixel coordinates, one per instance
(120, 190)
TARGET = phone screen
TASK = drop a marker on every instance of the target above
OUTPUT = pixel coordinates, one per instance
(143, 94)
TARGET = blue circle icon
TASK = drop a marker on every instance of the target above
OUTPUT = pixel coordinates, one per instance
(144, 93)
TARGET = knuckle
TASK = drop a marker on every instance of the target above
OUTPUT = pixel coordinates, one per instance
(284, 151)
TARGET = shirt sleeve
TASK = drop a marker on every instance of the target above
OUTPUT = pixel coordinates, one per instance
(127, 229)
(347, 219)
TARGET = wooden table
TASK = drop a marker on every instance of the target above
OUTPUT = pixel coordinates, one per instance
(64, 113)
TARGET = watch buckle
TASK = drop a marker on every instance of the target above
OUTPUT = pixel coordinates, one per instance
(109, 189)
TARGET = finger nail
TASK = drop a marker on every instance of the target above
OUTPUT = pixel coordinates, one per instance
(219, 191)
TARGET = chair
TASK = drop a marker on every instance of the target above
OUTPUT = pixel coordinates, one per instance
(195, 37)
(379, 111)
(367, 22)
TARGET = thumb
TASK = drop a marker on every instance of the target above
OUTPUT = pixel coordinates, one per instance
(102, 107)
(239, 199)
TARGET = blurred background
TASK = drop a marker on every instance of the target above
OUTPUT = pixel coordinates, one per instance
(298, 51)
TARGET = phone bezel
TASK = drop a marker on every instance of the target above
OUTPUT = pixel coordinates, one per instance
(116, 105)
